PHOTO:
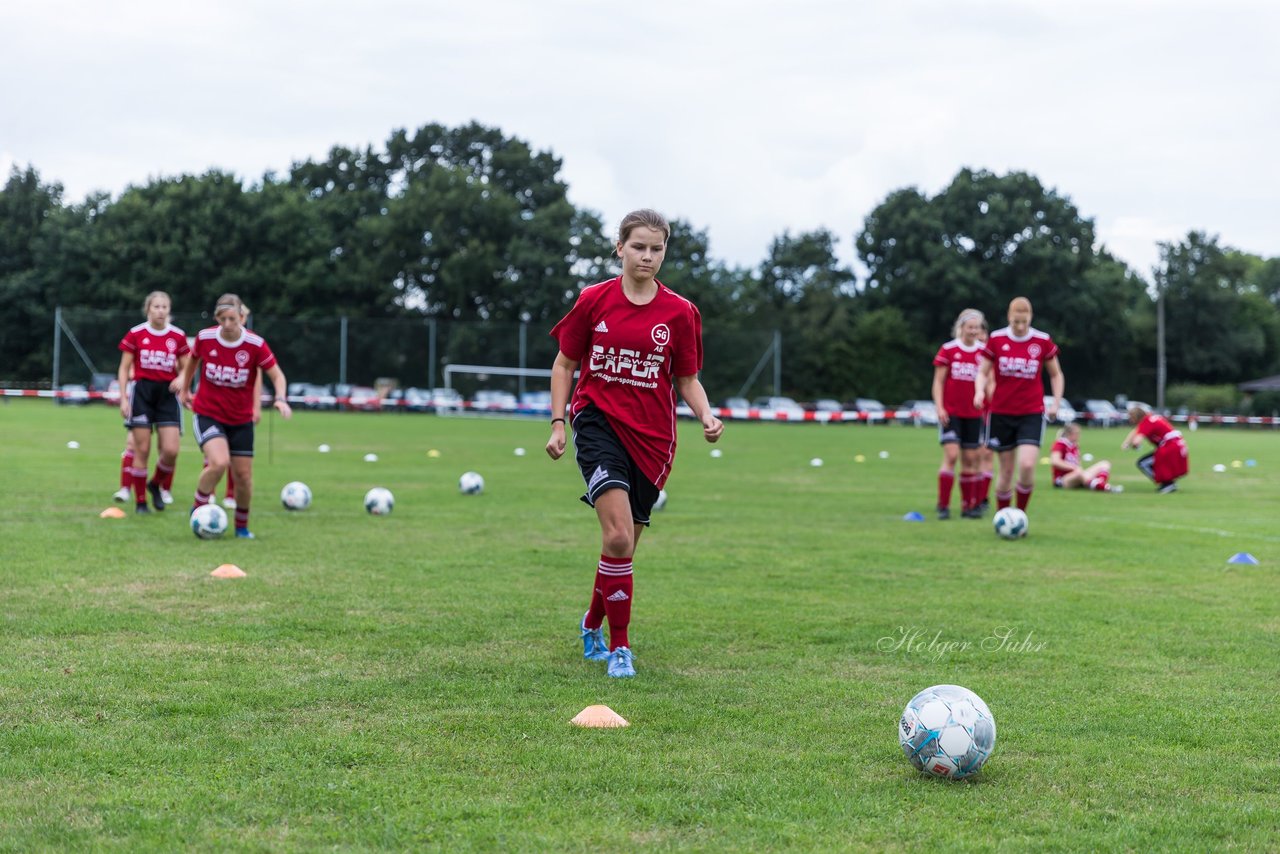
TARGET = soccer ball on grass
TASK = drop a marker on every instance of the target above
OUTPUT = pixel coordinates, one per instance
(295, 496)
(379, 501)
(471, 483)
(1010, 523)
(208, 521)
(947, 731)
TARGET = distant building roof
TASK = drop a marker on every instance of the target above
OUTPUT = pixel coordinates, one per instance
(1264, 384)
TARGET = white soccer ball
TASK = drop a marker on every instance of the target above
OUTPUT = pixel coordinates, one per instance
(947, 731)
(296, 495)
(370, 458)
(519, 452)
(379, 501)
(816, 462)
(1010, 523)
(208, 521)
(471, 483)
(662, 500)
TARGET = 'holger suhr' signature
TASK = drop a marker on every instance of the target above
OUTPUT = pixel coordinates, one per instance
(918, 641)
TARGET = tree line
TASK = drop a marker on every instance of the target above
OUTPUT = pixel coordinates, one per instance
(467, 224)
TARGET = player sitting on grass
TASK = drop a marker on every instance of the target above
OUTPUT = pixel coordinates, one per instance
(1067, 471)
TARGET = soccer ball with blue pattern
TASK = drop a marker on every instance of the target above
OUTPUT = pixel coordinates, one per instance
(947, 731)
(471, 483)
(379, 501)
(295, 496)
(208, 521)
(1010, 523)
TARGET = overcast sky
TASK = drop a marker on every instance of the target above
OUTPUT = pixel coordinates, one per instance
(747, 119)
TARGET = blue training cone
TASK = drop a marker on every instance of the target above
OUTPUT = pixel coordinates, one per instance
(1242, 557)
(913, 516)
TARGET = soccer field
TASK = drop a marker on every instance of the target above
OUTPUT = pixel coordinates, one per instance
(406, 682)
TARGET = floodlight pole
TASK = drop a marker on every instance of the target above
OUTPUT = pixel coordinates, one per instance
(1160, 354)
(57, 348)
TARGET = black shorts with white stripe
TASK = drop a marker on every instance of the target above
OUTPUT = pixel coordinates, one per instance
(605, 464)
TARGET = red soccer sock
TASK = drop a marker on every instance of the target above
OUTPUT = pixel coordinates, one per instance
(968, 491)
(946, 481)
(231, 484)
(139, 477)
(1024, 496)
(595, 615)
(164, 475)
(202, 498)
(1100, 482)
(242, 517)
(1003, 499)
(984, 489)
(615, 592)
(126, 469)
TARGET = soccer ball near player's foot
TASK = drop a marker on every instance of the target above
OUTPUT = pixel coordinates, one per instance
(295, 496)
(471, 483)
(947, 731)
(208, 521)
(1010, 523)
(379, 501)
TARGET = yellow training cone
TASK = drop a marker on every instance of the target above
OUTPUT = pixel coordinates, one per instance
(599, 716)
(228, 570)
(111, 513)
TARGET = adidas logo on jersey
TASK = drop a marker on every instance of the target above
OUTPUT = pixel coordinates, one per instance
(600, 327)
(618, 596)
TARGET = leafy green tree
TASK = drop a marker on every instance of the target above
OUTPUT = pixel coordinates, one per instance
(987, 238)
(1214, 317)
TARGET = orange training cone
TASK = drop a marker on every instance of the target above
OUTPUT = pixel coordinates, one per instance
(111, 513)
(599, 716)
(228, 570)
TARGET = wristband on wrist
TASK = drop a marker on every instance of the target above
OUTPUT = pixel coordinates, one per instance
(554, 420)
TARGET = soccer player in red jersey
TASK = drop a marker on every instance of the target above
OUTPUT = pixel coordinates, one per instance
(960, 425)
(1168, 461)
(1064, 456)
(229, 357)
(637, 343)
(154, 354)
(1013, 361)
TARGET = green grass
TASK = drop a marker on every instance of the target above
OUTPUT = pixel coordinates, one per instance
(406, 682)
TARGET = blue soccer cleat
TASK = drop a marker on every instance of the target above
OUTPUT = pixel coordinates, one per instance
(593, 648)
(620, 665)
(244, 534)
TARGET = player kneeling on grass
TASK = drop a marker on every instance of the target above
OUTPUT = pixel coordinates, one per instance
(637, 343)
(228, 357)
(1168, 461)
(1067, 471)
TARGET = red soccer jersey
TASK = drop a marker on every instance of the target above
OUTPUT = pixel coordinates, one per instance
(227, 374)
(1070, 452)
(155, 354)
(628, 356)
(1018, 362)
(1155, 428)
(957, 389)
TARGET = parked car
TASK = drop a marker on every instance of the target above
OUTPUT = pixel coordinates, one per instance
(309, 396)
(494, 400)
(735, 403)
(873, 409)
(73, 394)
(112, 394)
(918, 412)
(363, 398)
(100, 383)
(444, 399)
(1066, 412)
(827, 404)
(415, 399)
(536, 402)
(784, 405)
(1101, 413)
